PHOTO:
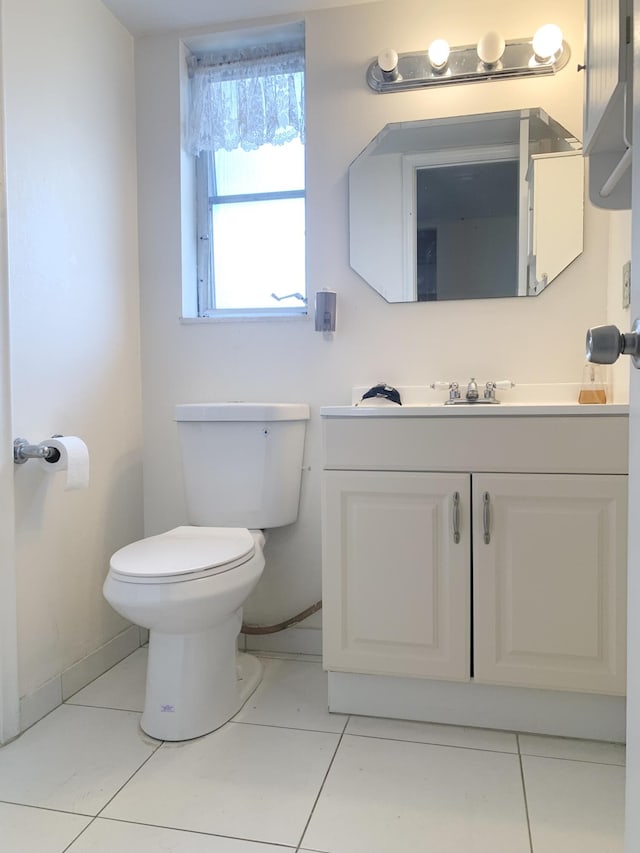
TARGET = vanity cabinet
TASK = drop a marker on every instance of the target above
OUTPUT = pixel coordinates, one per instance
(510, 572)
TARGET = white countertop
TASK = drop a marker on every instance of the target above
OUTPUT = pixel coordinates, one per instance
(503, 409)
(524, 400)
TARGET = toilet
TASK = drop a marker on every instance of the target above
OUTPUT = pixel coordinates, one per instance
(242, 465)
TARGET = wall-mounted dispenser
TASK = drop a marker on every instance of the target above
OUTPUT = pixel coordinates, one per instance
(326, 311)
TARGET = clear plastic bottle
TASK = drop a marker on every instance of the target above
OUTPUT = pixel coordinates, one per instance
(593, 388)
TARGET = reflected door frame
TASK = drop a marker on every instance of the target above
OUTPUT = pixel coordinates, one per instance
(411, 163)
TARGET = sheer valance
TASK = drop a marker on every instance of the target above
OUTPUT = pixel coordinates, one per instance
(246, 98)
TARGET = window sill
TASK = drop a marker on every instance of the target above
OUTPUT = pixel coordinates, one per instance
(246, 318)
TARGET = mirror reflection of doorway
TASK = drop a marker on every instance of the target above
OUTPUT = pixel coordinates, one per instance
(467, 230)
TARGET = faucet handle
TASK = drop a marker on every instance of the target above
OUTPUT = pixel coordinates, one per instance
(452, 387)
(491, 387)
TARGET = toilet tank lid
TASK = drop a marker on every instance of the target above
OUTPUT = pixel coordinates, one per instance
(242, 412)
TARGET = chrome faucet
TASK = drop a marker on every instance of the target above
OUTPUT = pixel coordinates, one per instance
(472, 394)
(472, 391)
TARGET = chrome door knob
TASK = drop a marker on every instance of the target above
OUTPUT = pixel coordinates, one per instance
(606, 343)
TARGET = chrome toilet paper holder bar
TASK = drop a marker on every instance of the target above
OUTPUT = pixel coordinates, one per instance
(23, 451)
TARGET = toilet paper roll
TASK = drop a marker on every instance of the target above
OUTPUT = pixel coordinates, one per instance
(73, 459)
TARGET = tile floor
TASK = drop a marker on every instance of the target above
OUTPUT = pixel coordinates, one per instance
(285, 775)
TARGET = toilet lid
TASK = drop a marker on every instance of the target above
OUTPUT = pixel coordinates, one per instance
(184, 551)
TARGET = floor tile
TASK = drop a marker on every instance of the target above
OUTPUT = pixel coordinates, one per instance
(433, 733)
(121, 687)
(292, 693)
(578, 750)
(390, 795)
(252, 782)
(24, 829)
(108, 836)
(75, 759)
(574, 807)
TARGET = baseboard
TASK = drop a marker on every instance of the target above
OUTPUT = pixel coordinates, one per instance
(551, 712)
(94, 665)
(38, 704)
(300, 641)
(46, 698)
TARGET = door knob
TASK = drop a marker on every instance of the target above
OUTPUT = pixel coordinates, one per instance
(606, 343)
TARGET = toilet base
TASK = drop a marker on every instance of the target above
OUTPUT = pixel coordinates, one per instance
(196, 682)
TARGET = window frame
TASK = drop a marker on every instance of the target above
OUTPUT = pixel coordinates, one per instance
(206, 197)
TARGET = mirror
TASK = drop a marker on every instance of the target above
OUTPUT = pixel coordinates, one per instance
(466, 208)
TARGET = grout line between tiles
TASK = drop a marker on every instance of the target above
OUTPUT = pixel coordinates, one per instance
(574, 760)
(290, 728)
(183, 829)
(524, 794)
(45, 808)
(82, 831)
(315, 802)
(431, 743)
(126, 782)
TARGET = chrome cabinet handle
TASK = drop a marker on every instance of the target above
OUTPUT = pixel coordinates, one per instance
(456, 517)
(486, 517)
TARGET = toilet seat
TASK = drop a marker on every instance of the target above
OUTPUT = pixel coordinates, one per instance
(183, 554)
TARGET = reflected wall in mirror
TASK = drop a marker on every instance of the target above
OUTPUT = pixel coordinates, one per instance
(466, 208)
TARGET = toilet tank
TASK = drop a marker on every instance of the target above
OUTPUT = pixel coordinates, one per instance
(242, 462)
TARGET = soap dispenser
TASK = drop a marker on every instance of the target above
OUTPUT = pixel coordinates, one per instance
(593, 387)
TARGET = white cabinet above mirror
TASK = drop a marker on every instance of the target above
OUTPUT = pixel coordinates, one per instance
(468, 207)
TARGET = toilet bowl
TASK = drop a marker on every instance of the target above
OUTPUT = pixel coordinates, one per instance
(242, 464)
(187, 586)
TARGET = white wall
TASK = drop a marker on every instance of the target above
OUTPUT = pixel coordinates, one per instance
(74, 313)
(528, 340)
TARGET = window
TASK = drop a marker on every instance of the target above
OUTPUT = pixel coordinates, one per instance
(246, 129)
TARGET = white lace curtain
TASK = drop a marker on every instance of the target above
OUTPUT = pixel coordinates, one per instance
(246, 98)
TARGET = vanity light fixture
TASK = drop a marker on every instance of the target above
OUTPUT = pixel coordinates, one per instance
(492, 58)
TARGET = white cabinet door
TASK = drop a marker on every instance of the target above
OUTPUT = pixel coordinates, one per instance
(549, 585)
(396, 584)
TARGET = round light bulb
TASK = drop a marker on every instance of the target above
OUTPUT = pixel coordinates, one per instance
(388, 59)
(491, 47)
(438, 54)
(547, 41)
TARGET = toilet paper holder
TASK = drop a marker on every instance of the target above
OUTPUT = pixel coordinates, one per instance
(23, 451)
